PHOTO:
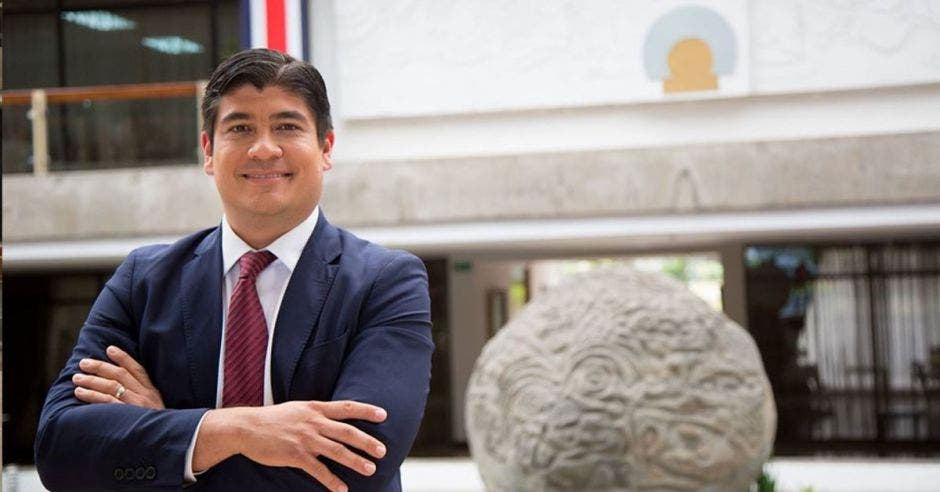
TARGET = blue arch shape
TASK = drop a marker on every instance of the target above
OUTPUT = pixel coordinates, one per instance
(689, 22)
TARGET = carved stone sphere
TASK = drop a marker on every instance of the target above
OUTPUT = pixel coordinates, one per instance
(620, 380)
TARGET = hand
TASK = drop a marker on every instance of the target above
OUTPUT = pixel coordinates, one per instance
(101, 381)
(292, 434)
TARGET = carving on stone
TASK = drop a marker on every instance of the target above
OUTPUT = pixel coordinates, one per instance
(619, 380)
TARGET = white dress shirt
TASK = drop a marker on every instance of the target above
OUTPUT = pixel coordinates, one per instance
(271, 284)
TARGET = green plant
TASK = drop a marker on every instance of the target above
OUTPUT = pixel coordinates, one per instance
(765, 483)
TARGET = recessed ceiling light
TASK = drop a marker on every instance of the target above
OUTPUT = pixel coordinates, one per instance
(99, 20)
(172, 45)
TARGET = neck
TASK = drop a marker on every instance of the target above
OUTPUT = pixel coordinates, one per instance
(259, 232)
(258, 240)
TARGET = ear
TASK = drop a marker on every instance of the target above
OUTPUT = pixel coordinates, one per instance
(327, 150)
(207, 154)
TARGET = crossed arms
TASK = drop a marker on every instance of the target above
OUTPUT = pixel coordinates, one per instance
(289, 434)
(356, 438)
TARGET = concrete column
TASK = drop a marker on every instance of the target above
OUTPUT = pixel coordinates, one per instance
(733, 295)
(469, 282)
(40, 133)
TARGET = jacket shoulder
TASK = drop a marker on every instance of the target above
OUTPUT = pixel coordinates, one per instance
(157, 256)
(371, 255)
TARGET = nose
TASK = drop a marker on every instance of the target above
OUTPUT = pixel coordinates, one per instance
(264, 149)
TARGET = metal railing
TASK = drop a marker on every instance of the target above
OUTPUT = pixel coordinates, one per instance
(41, 101)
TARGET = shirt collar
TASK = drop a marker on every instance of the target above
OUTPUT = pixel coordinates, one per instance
(287, 248)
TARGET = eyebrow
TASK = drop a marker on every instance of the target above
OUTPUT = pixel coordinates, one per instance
(237, 116)
(282, 115)
(290, 115)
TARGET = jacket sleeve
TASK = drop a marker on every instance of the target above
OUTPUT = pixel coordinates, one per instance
(389, 365)
(82, 446)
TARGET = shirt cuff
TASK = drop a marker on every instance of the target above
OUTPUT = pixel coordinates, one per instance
(188, 476)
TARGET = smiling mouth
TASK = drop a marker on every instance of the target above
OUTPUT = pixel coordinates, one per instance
(265, 176)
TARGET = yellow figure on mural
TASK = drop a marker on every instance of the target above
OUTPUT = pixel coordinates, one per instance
(690, 67)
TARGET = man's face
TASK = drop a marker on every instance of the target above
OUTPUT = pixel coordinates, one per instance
(266, 160)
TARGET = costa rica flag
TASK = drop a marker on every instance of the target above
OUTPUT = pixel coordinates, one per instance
(281, 25)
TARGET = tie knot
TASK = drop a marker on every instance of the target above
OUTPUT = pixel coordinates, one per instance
(252, 262)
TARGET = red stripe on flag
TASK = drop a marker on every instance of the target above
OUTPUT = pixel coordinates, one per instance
(277, 27)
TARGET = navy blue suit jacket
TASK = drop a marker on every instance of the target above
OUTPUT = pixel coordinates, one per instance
(354, 324)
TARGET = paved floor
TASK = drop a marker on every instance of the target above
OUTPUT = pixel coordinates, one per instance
(460, 475)
(792, 475)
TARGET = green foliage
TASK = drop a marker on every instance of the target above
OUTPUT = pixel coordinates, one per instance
(765, 483)
(677, 267)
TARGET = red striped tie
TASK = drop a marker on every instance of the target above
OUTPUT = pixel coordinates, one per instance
(246, 336)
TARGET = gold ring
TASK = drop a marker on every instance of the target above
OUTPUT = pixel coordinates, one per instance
(120, 391)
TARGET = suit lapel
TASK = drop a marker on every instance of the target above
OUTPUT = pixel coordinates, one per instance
(303, 301)
(202, 317)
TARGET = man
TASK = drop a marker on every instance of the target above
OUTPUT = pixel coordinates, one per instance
(272, 352)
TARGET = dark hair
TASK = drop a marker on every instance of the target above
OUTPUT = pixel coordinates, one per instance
(261, 68)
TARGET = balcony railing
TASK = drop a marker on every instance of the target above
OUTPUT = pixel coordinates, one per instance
(101, 127)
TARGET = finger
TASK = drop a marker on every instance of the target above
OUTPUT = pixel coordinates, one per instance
(90, 396)
(351, 436)
(347, 409)
(95, 383)
(109, 387)
(141, 389)
(341, 454)
(110, 371)
(319, 471)
(123, 359)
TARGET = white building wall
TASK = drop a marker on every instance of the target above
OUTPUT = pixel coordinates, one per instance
(812, 45)
(425, 57)
(425, 80)
(467, 290)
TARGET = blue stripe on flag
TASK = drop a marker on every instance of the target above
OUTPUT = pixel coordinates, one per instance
(305, 30)
(245, 24)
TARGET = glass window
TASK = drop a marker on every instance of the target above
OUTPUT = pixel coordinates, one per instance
(111, 42)
(148, 44)
(113, 134)
(14, 6)
(31, 56)
(50, 310)
(228, 35)
(17, 139)
(850, 338)
(85, 4)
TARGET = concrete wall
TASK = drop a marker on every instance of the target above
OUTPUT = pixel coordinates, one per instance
(468, 323)
(501, 110)
(108, 204)
(887, 169)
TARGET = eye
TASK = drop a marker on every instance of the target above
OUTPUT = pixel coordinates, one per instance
(288, 127)
(239, 129)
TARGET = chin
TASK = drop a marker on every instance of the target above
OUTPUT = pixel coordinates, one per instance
(264, 210)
